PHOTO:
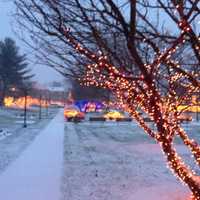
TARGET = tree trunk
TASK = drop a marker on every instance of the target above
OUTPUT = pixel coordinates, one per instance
(180, 169)
(2, 93)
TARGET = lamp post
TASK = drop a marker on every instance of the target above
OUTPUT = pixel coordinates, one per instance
(25, 89)
(25, 109)
(40, 107)
(46, 104)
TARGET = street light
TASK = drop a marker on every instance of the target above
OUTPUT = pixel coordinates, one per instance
(46, 104)
(40, 107)
(25, 88)
(25, 108)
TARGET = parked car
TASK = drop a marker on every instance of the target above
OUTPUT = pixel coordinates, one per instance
(72, 113)
(113, 115)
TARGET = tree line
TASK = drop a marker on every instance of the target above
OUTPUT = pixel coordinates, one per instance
(14, 72)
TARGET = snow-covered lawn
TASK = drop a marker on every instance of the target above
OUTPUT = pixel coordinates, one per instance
(102, 161)
(36, 174)
(4, 133)
(13, 138)
(117, 161)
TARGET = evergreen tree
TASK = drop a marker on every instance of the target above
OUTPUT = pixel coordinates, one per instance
(14, 70)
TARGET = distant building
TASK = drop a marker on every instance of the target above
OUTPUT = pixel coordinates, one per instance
(57, 91)
(56, 87)
(53, 91)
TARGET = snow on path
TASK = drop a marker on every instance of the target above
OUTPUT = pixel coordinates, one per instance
(36, 174)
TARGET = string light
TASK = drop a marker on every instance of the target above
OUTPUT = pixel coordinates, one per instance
(139, 91)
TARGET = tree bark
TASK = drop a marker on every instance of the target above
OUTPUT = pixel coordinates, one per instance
(2, 93)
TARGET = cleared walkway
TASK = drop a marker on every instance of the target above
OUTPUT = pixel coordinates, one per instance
(36, 174)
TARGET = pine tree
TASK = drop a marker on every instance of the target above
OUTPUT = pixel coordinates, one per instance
(14, 70)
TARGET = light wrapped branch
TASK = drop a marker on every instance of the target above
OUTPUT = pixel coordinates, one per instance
(117, 46)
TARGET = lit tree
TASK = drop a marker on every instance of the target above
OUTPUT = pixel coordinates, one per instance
(160, 66)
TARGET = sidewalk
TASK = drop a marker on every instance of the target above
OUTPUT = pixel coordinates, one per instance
(36, 174)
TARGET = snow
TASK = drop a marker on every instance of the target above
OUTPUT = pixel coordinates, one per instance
(4, 133)
(161, 193)
(104, 161)
(27, 122)
(36, 173)
(14, 138)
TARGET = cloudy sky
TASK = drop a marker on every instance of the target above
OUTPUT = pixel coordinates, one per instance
(43, 74)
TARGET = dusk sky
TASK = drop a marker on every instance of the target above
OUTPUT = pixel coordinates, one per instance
(43, 74)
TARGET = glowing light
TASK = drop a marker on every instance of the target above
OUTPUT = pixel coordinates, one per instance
(19, 102)
(70, 113)
(113, 115)
(141, 92)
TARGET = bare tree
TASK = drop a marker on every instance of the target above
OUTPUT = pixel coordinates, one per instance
(146, 52)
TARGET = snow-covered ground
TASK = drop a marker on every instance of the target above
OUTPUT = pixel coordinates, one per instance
(102, 161)
(36, 174)
(117, 161)
(4, 133)
(13, 138)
